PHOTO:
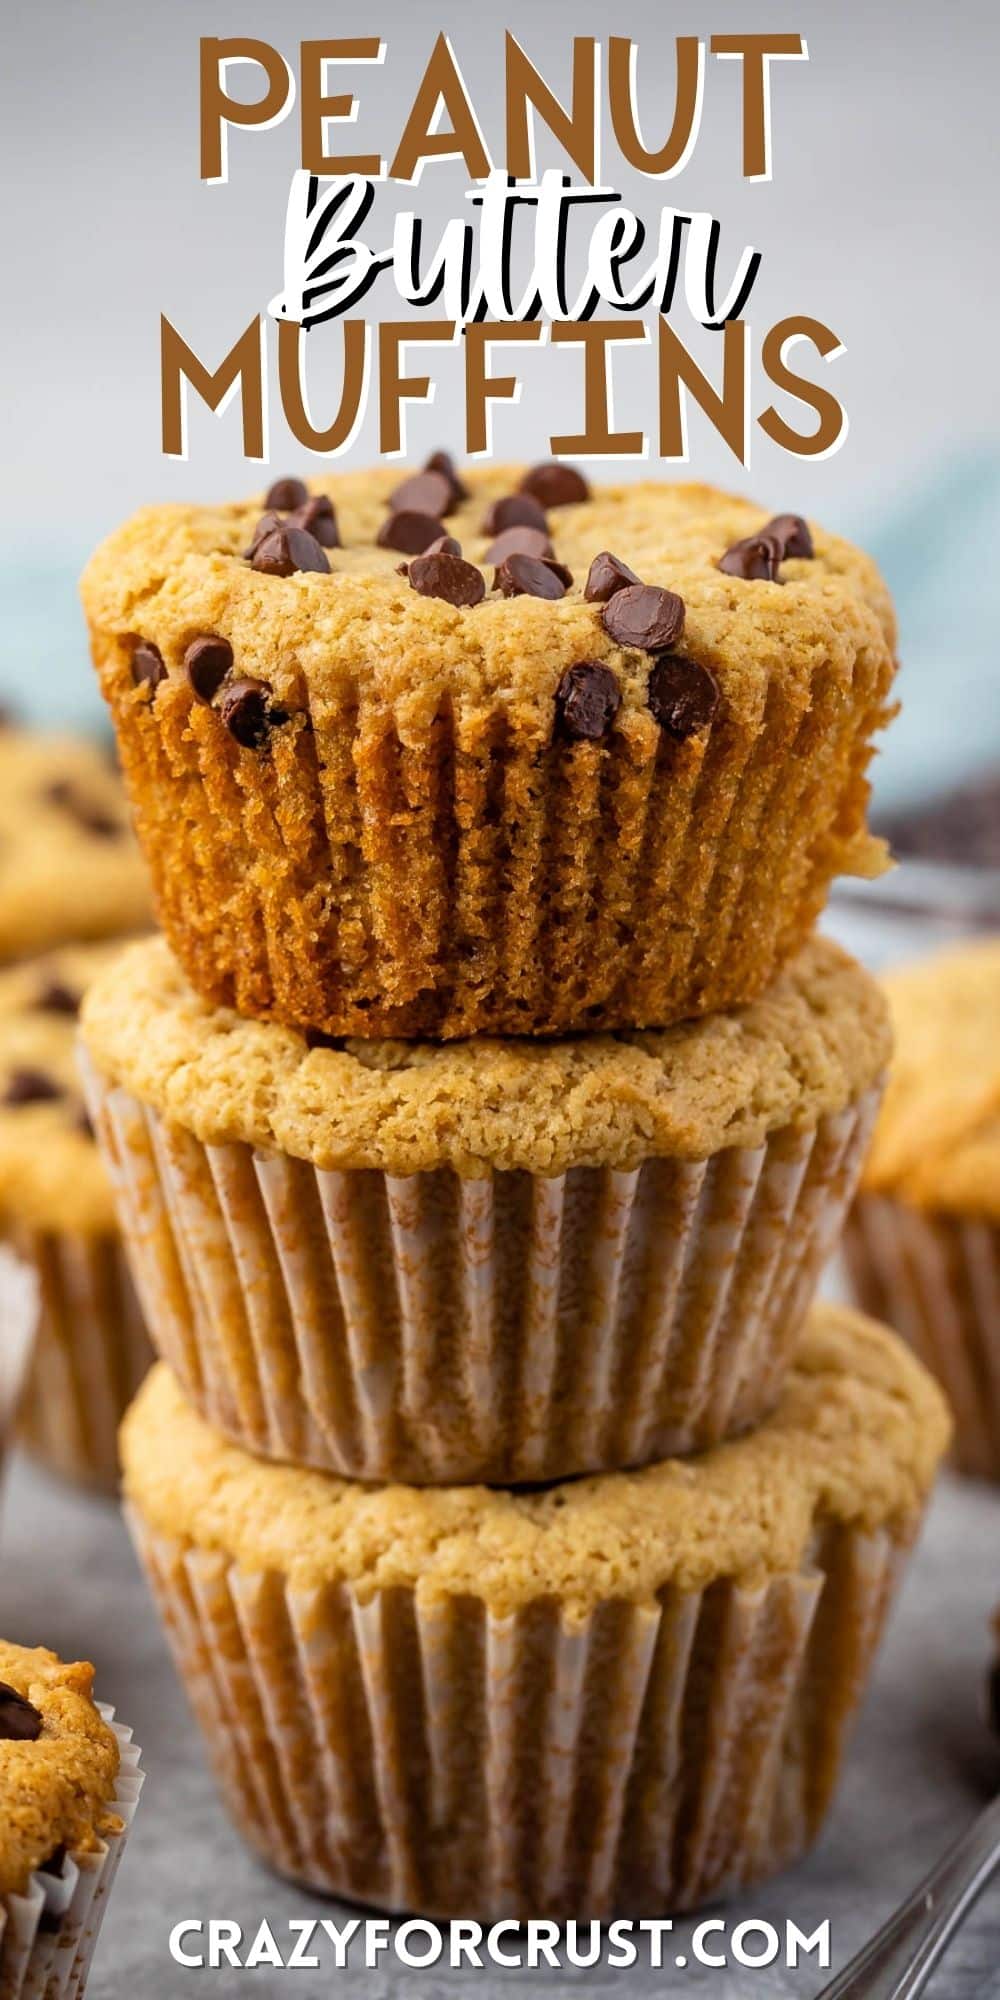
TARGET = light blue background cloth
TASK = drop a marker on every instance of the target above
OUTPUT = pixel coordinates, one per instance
(940, 552)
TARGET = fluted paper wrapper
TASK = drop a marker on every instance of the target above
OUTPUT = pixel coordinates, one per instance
(48, 1934)
(19, 1309)
(91, 1355)
(936, 1279)
(377, 871)
(435, 1329)
(427, 1755)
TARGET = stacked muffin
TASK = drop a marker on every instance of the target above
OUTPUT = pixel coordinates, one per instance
(479, 1129)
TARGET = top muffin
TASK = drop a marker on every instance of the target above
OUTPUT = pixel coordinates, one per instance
(595, 770)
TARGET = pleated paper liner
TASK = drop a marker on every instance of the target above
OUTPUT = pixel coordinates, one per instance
(936, 1279)
(424, 1754)
(91, 1354)
(388, 872)
(511, 1328)
(19, 1310)
(48, 1934)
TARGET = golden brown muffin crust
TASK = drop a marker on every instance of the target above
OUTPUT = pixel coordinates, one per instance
(810, 1044)
(856, 1438)
(51, 1174)
(69, 866)
(59, 1790)
(937, 1141)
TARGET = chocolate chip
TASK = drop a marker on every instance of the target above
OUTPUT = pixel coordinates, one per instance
(54, 997)
(285, 550)
(31, 1086)
(318, 516)
(793, 534)
(286, 494)
(93, 819)
(555, 485)
(445, 545)
(644, 615)
(411, 533)
(442, 462)
(267, 525)
(244, 708)
(458, 582)
(756, 559)
(148, 669)
(587, 700)
(515, 510)
(682, 695)
(526, 576)
(208, 660)
(519, 542)
(423, 493)
(20, 1721)
(606, 575)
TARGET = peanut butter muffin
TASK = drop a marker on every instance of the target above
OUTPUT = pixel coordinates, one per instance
(499, 1260)
(490, 753)
(69, 866)
(57, 1212)
(628, 1693)
(923, 1245)
(69, 1784)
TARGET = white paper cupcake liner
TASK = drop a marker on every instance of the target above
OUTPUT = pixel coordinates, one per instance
(510, 1328)
(936, 1279)
(91, 1355)
(48, 1934)
(19, 1310)
(427, 1755)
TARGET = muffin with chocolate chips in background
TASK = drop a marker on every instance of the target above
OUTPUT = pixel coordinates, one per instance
(57, 1213)
(69, 866)
(69, 1785)
(490, 752)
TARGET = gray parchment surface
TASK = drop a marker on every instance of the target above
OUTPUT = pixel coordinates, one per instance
(920, 1765)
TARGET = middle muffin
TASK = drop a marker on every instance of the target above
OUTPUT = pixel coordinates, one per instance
(490, 1261)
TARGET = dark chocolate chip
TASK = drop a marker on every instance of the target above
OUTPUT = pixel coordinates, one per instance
(20, 1721)
(555, 485)
(442, 462)
(793, 534)
(148, 669)
(587, 700)
(526, 576)
(519, 542)
(409, 532)
(606, 575)
(682, 695)
(423, 493)
(246, 713)
(208, 660)
(31, 1086)
(286, 494)
(515, 510)
(644, 615)
(458, 582)
(93, 819)
(287, 549)
(318, 516)
(54, 997)
(265, 526)
(445, 545)
(756, 559)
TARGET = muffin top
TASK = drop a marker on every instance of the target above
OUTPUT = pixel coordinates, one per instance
(51, 1174)
(174, 574)
(937, 1142)
(69, 867)
(855, 1438)
(58, 1763)
(810, 1043)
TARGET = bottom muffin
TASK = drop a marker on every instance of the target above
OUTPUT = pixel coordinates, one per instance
(624, 1693)
(69, 1784)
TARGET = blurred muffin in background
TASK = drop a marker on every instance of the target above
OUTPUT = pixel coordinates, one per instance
(56, 1211)
(69, 866)
(923, 1240)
